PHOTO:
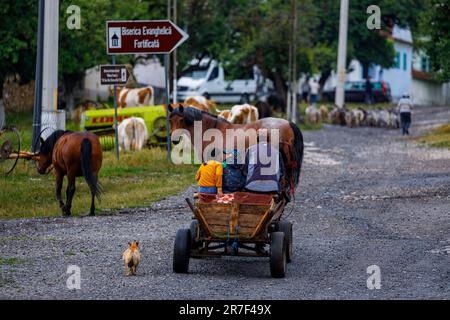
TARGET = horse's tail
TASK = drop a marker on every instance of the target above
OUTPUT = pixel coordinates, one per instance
(297, 153)
(91, 179)
(134, 140)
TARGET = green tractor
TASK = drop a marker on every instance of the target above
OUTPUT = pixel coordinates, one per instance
(101, 122)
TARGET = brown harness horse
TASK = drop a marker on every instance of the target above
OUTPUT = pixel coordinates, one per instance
(74, 154)
(290, 136)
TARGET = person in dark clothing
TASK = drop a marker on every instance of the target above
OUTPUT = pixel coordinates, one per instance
(369, 87)
(305, 90)
(233, 178)
(404, 107)
(262, 175)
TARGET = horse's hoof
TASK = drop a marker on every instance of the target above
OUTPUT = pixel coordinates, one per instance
(85, 215)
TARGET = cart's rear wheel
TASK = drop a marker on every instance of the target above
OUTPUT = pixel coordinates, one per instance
(181, 251)
(286, 228)
(277, 255)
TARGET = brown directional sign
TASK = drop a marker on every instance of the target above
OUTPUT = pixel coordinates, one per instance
(114, 74)
(152, 36)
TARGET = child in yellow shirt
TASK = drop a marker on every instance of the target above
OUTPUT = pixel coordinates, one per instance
(209, 177)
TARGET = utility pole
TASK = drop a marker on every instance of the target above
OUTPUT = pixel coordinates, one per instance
(50, 116)
(292, 73)
(294, 64)
(38, 82)
(172, 15)
(342, 55)
(167, 60)
(174, 56)
(289, 95)
(167, 83)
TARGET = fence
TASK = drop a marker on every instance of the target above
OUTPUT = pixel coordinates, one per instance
(51, 121)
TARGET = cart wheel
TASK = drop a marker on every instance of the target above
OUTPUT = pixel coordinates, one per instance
(194, 233)
(181, 251)
(286, 227)
(277, 255)
(9, 149)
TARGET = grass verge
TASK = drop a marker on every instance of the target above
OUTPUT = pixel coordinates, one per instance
(438, 137)
(11, 261)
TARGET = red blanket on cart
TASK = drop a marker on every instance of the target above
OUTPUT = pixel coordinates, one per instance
(239, 197)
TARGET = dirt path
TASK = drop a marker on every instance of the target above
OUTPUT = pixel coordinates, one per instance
(367, 197)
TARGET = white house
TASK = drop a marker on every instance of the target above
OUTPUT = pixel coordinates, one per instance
(410, 73)
(424, 89)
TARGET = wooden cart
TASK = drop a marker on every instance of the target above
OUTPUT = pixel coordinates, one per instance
(243, 227)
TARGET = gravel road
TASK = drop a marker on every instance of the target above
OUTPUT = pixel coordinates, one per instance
(367, 197)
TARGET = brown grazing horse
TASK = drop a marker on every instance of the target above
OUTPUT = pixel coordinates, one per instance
(264, 110)
(74, 154)
(291, 138)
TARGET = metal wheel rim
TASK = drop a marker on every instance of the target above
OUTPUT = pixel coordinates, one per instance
(17, 135)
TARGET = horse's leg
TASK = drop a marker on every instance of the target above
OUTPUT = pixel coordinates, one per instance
(69, 193)
(59, 184)
(92, 211)
(287, 150)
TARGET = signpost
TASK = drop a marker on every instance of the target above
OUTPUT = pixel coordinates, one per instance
(114, 74)
(151, 36)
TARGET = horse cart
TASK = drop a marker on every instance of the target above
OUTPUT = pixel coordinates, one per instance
(245, 226)
(10, 150)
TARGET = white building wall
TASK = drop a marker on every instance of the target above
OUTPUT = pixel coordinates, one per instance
(150, 72)
(92, 89)
(355, 74)
(400, 76)
(430, 93)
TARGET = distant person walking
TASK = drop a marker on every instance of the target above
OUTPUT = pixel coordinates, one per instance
(314, 91)
(305, 90)
(405, 107)
(369, 87)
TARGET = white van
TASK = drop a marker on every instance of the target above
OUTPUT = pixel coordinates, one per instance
(208, 79)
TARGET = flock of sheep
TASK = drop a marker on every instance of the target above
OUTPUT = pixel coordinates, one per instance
(383, 118)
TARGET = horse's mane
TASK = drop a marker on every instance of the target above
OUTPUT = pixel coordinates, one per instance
(191, 114)
(50, 142)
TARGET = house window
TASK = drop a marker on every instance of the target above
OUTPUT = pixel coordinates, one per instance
(397, 60)
(405, 61)
(424, 64)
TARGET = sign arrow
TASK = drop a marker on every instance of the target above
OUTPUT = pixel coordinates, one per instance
(151, 36)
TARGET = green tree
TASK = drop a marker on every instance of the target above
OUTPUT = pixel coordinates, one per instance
(84, 48)
(78, 49)
(242, 33)
(435, 28)
(18, 44)
(367, 46)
